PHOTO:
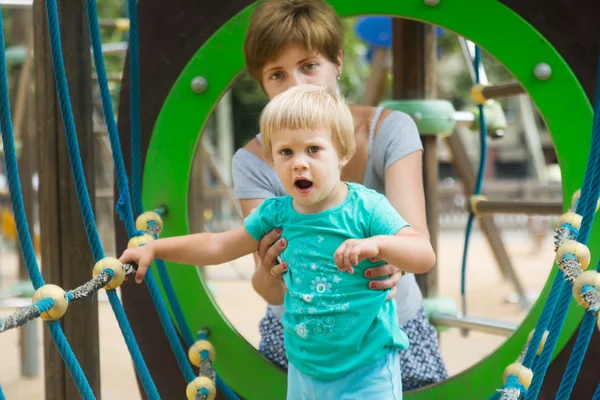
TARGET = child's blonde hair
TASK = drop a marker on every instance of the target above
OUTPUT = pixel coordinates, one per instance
(308, 107)
(312, 24)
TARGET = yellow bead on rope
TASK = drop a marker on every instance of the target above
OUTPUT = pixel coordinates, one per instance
(138, 241)
(115, 266)
(199, 347)
(579, 250)
(570, 218)
(524, 375)
(542, 341)
(586, 278)
(141, 223)
(201, 382)
(576, 197)
(61, 302)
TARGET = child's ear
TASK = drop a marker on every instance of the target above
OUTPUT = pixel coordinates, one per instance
(343, 161)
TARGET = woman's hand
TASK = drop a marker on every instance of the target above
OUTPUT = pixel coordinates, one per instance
(269, 248)
(391, 282)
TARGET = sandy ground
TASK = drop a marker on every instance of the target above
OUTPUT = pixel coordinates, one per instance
(487, 297)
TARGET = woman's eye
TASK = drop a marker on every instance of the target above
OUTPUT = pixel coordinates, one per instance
(276, 76)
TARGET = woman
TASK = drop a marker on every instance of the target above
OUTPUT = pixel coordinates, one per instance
(290, 42)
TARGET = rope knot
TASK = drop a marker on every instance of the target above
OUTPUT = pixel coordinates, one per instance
(511, 393)
(571, 268)
(563, 234)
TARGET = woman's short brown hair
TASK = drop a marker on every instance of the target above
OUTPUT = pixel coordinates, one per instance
(275, 24)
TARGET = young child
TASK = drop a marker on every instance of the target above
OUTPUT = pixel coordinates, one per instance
(341, 338)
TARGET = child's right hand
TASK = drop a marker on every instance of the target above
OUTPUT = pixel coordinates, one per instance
(142, 256)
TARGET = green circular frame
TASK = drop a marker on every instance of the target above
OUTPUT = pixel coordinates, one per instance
(560, 99)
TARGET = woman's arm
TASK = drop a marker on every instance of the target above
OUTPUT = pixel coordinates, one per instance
(404, 190)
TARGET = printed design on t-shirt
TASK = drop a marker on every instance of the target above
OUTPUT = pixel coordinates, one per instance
(318, 302)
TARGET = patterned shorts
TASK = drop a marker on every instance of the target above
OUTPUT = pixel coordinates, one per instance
(421, 363)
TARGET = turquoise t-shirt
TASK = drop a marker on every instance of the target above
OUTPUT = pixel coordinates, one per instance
(333, 322)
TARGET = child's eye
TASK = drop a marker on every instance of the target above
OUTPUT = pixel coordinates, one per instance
(313, 149)
(285, 152)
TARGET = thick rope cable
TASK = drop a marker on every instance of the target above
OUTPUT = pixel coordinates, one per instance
(136, 165)
(26, 245)
(33, 311)
(136, 188)
(27, 248)
(478, 184)
(589, 320)
(576, 359)
(586, 207)
(136, 185)
(83, 195)
(125, 207)
(597, 394)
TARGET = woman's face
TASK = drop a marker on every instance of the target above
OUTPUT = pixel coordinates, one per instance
(296, 66)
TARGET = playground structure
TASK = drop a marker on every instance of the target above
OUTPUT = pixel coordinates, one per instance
(200, 86)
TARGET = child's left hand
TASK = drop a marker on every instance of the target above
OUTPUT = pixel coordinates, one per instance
(352, 251)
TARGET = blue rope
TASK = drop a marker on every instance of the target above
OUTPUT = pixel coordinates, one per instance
(69, 124)
(27, 249)
(586, 207)
(124, 209)
(82, 193)
(70, 360)
(123, 186)
(589, 320)
(544, 320)
(221, 385)
(478, 184)
(134, 113)
(577, 355)
(136, 184)
(597, 394)
(136, 163)
(511, 382)
(124, 200)
(12, 172)
(167, 323)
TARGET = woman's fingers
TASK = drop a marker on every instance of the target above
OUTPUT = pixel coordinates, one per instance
(382, 270)
(267, 241)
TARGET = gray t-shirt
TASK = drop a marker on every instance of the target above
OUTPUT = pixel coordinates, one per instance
(397, 137)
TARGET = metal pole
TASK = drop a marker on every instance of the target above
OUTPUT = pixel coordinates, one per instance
(476, 324)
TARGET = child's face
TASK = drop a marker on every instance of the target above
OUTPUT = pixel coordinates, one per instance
(308, 166)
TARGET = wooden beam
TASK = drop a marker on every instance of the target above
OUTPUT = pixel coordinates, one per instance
(464, 172)
(66, 256)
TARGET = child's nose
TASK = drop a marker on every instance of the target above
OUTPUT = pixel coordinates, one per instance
(300, 163)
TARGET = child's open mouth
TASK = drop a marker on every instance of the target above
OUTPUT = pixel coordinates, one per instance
(303, 185)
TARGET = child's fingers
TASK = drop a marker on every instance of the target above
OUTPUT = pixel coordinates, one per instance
(141, 271)
(338, 257)
(355, 254)
(347, 257)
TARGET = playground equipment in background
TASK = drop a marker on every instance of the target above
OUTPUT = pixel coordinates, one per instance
(201, 83)
(170, 168)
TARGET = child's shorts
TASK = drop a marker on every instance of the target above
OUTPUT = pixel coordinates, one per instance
(378, 381)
